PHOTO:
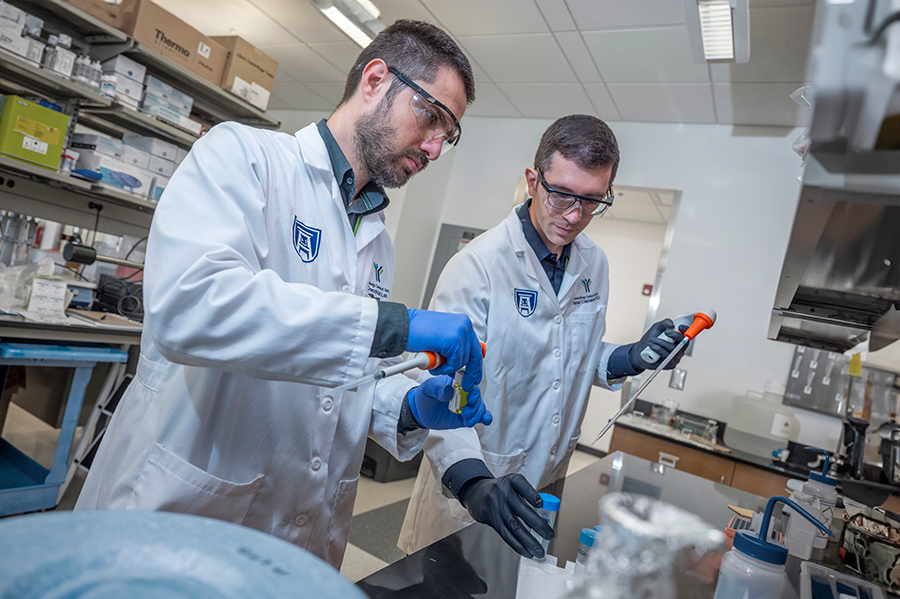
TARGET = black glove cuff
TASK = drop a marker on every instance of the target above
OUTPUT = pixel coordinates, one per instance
(391, 330)
(407, 422)
(459, 475)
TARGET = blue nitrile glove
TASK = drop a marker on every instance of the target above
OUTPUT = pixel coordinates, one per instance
(662, 348)
(450, 335)
(429, 400)
(502, 503)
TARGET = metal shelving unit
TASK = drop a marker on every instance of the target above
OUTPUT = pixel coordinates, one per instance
(92, 29)
(208, 98)
(119, 119)
(23, 77)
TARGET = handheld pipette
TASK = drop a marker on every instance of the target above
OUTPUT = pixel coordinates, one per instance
(425, 360)
(703, 319)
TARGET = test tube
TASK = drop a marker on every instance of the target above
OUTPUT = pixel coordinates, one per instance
(585, 542)
(548, 512)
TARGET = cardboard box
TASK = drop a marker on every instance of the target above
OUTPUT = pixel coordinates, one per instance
(161, 166)
(158, 187)
(123, 66)
(117, 173)
(180, 155)
(31, 133)
(98, 143)
(35, 51)
(161, 88)
(153, 100)
(130, 88)
(12, 19)
(156, 147)
(135, 157)
(249, 72)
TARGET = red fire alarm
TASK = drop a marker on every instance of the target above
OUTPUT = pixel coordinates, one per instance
(647, 290)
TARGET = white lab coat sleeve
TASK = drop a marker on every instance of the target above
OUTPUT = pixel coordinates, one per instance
(600, 380)
(464, 288)
(207, 300)
(389, 395)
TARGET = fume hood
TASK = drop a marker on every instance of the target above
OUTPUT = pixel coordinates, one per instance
(840, 283)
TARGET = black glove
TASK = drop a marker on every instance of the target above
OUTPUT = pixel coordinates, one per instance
(662, 346)
(502, 503)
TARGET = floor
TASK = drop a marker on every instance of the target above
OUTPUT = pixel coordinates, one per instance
(377, 515)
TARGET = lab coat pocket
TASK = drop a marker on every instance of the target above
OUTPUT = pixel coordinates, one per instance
(340, 520)
(168, 483)
(585, 331)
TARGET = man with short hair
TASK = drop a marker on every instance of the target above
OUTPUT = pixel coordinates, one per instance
(266, 256)
(536, 291)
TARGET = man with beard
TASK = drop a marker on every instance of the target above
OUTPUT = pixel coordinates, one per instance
(266, 256)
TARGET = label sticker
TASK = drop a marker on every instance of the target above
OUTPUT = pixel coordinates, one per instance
(203, 50)
(37, 130)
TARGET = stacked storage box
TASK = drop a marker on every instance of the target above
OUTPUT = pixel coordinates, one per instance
(162, 160)
(166, 102)
(107, 156)
(129, 79)
(31, 133)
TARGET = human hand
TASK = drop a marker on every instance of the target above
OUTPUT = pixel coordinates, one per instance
(662, 338)
(450, 335)
(429, 400)
(505, 504)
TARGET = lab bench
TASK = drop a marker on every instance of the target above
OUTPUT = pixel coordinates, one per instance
(477, 562)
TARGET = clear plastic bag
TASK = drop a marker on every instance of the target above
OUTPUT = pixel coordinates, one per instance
(15, 282)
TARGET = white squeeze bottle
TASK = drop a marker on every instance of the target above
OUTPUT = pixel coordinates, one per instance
(754, 568)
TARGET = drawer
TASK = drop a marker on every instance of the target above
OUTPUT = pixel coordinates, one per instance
(673, 455)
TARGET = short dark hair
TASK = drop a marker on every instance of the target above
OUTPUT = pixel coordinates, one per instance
(585, 140)
(418, 50)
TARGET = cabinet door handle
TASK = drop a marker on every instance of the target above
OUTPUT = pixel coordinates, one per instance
(722, 479)
(667, 459)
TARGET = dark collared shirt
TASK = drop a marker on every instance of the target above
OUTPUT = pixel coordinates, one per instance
(555, 269)
(371, 198)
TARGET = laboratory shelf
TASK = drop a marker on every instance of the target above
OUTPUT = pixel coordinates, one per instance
(118, 120)
(55, 196)
(208, 97)
(92, 29)
(24, 77)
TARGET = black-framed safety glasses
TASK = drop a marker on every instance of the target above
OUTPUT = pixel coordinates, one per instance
(435, 120)
(565, 201)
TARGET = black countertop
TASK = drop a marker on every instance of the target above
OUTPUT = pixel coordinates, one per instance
(476, 561)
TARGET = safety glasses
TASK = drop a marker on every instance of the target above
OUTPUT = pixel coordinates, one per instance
(435, 120)
(565, 201)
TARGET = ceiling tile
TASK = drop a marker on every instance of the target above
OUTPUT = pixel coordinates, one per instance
(578, 56)
(342, 55)
(333, 92)
(633, 198)
(301, 18)
(644, 214)
(549, 101)
(479, 73)
(297, 96)
(229, 17)
(391, 10)
(302, 64)
(672, 103)
(664, 198)
(557, 15)
(480, 17)
(779, 47)
(603, 102)
(759, 104)
(532, 58)
(490, 101)
(613, 14)
(665, 212)
(278, 104)
(645, 56)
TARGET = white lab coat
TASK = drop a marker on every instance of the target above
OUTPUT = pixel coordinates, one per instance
(538, 370)
(247, 315)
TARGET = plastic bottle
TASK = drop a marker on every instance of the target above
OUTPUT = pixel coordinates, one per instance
(754, 568)
(548, 513)
(585, 542)
(108, 84)
(759, 424)
(96, 74)
(819, 497)
(79, 71)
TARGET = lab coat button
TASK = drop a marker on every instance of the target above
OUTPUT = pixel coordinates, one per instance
(556, 352)
(345, 289)
(300, 520)
(326, 404)
(556, 419)
(315, 464)
(553, 449)
(557, 319)
(555, 385)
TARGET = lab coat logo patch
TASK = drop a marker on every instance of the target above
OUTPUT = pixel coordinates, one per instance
(526, 301)
(306, 241)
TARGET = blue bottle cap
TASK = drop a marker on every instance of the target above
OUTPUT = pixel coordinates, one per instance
(586, 537)
(747, 542)
(598, 528)
(551, 503)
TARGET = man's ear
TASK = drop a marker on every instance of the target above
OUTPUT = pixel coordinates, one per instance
(531, 177)
(375, 81)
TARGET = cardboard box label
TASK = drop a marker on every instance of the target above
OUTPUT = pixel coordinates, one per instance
(203, 50)
(36, 130)
(35, 145)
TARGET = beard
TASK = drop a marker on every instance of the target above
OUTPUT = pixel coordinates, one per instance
(376, 148)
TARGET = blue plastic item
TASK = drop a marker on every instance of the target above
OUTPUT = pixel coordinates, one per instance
(587, 536)
(819, 582)
(153, 555)
(551, 503)
(125, 180)
(757, 546)
(75, 353)
(86, 174)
